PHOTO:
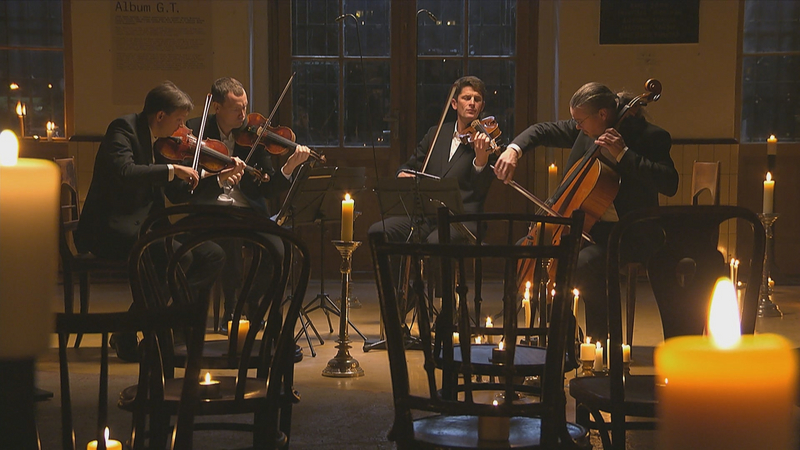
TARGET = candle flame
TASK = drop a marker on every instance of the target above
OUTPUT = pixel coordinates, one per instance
(489, 322)
(494, 403)
(347, 197)
(9, 148)
(552, 165)
(19, 109)
(723, 316)
(501, 345)
(13, 86)
(588, 339)
(576, 292)
(478, 340)
(769, 176)
(772, 138)
(599, 345)
(208, 378)
(51, 126)
(527, 285)
(106, 436)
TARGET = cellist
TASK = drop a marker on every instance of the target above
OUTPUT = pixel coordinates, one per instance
(639, 154)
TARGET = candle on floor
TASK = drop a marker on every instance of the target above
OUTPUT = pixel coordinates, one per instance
(111, 444)
(492, 428)
(209, 388)
(241, 335)
(725, 390)
(347, 218)
(769, 192)
(29, 223)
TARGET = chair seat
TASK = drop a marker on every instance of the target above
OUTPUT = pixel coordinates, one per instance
(456, 432)
(595, 392)
(528, 360)
(255, 392)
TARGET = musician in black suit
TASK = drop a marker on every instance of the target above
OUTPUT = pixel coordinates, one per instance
(450, 158)
(639, 153)
(129, 182)
(229, 102)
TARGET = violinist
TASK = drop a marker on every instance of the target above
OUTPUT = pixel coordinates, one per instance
(450, 158)
(229, 102)
(129, 182)
(639, 152)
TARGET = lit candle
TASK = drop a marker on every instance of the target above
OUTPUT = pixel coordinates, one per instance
(772, 145)
(478, 339)
(111, 444)
(598, 358)
(21, 110)
(489, 338)
(725, 390)
(576, 295)
(498, 353)
(456, 338)
(552, 179)
(526, 305)
(29, 221)
(769, 190)
(50, 127)
(209, 388)
(241, 335)
(626, 353)
(492, 428)
(347, 218)
(587, 350)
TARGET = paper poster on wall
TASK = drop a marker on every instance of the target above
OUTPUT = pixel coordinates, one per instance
(155, 41)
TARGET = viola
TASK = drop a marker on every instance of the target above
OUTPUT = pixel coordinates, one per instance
(213, 153)
(488, 126)
(276, 140)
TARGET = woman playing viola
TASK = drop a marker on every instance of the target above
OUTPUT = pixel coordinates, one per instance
(639, 151)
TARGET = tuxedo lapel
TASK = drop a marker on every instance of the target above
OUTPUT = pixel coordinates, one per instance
(456, 156)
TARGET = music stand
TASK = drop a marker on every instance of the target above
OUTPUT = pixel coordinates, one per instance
(315, 197)
(417, 198)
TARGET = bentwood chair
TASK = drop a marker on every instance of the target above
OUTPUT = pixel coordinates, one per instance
(448, 410)
(76, 264)
(268, 395)
(682, 268)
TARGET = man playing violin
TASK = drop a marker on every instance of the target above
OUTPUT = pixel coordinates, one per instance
(641, 153)
(450, 158)
(229, 101)
(129, 182)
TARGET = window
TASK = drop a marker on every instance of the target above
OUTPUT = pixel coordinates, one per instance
(32, 62)
(771, 64)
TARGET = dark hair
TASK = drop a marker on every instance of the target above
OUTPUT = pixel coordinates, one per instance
(223, 86)
(166, 97)
(594, 97)
(473, 82)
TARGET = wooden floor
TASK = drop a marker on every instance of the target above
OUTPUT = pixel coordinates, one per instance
(334, 413)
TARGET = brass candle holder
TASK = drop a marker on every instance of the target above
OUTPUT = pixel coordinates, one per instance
(343, 365)
(766, 308)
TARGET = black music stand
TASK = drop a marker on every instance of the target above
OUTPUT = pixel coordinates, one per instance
(417, 198)
(315, 197)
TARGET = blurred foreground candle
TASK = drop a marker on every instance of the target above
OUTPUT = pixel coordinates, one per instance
(491, 428)
(111, 444)
(241, 335)
(29, 208)
(769, 192)
(726, 391)
(347, 218)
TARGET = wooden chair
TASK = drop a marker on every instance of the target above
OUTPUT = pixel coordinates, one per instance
(705, 178)
(75, 264)
(448, 411)
(682, 270)
(268, 396)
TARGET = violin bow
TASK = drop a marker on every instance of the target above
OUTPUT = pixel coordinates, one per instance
(196, 160)
(269, 119)
(439, 127)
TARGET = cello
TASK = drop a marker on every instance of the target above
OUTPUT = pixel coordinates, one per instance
(590, 185)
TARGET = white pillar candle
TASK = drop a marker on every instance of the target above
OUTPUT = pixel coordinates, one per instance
(598, 358)
(769, 192)
(702, 404)
(29, 209)
(587, 350)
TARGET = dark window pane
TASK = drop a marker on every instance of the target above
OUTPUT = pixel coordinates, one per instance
(434, 79)
(492, 27)
(314, 28)
(361, 120)
(771, 98)
(373, 18)
(31, 23)
(771, 26)
(316, 103)
(39, 76)
(445, 37)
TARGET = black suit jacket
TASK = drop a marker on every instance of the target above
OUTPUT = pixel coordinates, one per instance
(645, 170)
(254, 192)
(128, 183)
(474, 186)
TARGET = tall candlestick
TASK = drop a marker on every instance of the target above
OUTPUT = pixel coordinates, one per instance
(698, 408)
(21, 111)
(347, 218)
(552, 179)
(769, 191)
(772, 145)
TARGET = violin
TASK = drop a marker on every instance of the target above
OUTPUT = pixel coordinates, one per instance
(213, 153)
(276, 140)
(487, 126)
